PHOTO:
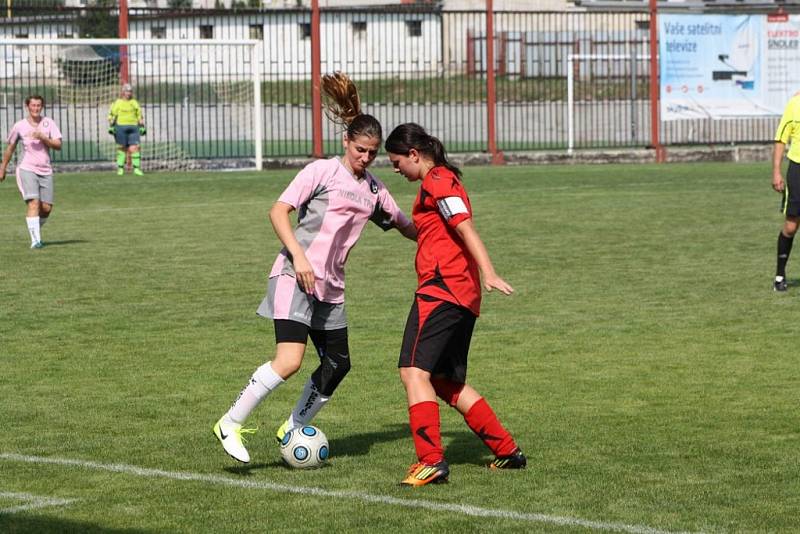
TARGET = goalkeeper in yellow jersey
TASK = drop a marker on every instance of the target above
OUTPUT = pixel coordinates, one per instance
(126, 124)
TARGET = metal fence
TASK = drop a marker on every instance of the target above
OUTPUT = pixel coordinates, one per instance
(423, 64)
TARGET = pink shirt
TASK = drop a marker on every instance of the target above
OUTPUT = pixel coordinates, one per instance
(333, 206)
(36, 155)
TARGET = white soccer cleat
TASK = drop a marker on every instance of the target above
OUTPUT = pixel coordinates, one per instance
(230, 435)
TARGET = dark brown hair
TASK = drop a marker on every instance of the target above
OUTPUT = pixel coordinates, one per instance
(40, 98)
(411, 135)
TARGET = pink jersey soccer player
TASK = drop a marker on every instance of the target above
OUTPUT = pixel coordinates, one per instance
(334, 198)
(39, 134)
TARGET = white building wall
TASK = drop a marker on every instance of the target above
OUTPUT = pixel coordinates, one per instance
(384, 47)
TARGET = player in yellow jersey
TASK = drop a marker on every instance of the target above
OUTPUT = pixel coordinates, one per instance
(126, 124)
(788, 133)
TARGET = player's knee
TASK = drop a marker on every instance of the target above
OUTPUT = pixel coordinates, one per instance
(334, 361)
(447, 390)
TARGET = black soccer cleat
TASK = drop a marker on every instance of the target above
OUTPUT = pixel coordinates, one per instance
(515, 460)
(780, 285)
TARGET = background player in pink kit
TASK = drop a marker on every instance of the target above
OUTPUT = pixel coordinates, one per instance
(450, 261)
(34, 173)
(335, 198)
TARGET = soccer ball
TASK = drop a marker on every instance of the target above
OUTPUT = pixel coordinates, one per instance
(305, 447)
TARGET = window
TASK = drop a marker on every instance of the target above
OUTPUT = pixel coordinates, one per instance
(158, 32)
(414, 28)
(257, 32)
(206, 31)
(21, 36)
(359, 27)
(65, 35)
(305, 30)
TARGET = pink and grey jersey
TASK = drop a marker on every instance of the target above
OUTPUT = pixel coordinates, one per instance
(333, 206)
(36, 155)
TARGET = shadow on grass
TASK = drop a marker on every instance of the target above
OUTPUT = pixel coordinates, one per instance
(24, 523)
(64, 242)
(247, 470)
(463, 447)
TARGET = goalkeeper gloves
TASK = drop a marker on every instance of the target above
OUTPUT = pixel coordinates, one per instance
(142, 130)
(112, 130)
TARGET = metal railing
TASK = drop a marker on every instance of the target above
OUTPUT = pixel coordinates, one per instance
(427, 65)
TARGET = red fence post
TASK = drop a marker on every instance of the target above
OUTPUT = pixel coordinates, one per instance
(491, 96)
(123, 34)
(316, 80)
(654, 85)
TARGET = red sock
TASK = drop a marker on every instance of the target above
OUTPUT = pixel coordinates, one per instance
(424, 420)
(483, 421)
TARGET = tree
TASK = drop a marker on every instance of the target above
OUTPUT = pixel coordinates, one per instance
(180, 4)
(99, 19)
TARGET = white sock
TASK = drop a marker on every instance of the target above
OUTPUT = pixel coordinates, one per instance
(308, 405)
(33, 229)
(261, 384)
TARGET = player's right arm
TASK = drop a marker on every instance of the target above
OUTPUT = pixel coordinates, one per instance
(12, 146)
(279, 217)
(782, 136)
(777, 158)
(112, 113)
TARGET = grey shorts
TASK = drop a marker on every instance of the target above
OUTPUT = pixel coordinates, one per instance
(35, 186)
(285, 300)
(127, 135)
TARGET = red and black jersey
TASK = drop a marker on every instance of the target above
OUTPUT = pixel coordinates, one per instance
(445, 268)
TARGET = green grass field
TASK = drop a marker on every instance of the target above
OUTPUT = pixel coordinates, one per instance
(644, 363)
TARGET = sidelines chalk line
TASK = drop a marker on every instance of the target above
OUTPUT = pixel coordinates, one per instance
(474, 511)
(32, 502)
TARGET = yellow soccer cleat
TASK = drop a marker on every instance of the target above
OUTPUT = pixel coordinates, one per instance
(421, 474)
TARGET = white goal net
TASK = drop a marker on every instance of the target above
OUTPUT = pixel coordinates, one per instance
(200, 99)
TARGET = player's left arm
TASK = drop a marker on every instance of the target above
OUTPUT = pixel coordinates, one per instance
(139, 114)
(44, 137)
(409, 231)
(388, 215)
(469, 235)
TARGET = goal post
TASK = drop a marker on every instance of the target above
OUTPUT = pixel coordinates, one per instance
(201, 98)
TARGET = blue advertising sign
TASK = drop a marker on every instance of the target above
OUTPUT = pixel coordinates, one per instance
(726, 66)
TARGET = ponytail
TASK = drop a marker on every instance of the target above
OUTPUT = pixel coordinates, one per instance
(411, 135)
(343, 107)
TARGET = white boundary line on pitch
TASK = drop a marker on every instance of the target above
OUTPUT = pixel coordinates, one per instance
(352, 495)
(32, 502)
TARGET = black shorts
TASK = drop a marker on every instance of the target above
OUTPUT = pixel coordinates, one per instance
(791, 193)
(287, 331)
(437, 337)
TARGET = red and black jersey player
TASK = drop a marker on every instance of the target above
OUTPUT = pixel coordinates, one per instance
(451, 258)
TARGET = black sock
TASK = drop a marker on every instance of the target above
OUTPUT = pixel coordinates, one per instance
(784, 249)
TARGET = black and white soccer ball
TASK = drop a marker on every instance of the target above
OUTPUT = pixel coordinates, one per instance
(305, 447)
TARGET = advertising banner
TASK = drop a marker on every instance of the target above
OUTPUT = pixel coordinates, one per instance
(727, 66)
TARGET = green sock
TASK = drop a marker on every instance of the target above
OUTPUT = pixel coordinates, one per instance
(120, 159)
(136, 158)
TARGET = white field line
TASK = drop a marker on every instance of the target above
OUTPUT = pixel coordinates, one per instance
(349, 495)
(32, 502)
